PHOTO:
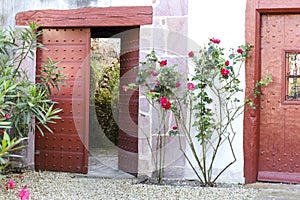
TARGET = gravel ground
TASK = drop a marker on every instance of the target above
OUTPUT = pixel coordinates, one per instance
(67, 186)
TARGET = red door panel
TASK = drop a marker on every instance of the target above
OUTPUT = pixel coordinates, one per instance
(128, 103)
(279, 153)
(66, 149)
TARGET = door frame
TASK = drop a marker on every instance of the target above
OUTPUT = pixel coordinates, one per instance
(254, 10)
(97, 17)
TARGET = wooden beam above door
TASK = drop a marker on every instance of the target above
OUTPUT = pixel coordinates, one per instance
(98, 17)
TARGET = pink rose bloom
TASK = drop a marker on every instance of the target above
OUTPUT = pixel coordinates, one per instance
(7, 116)
(24, 194)
(224, 72)
(216, 41)
(240, 50)
(165, 103)
(156, 83)
(124, 88)
(163, 63)
(227, 63)
(154, 73)
(10, 184)
(191, 54)
(190, 86)
(177, 84)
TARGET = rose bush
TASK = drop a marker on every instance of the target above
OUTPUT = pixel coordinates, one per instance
(208, 103)
(160, 82)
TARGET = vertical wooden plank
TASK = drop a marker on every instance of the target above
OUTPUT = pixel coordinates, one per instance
(129, 103)
(66, 149)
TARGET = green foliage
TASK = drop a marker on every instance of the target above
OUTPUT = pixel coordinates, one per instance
(106, 100)
(50, 76)
(216, 92)
(7, 146)
(21, 99)
(159, 81)
(262, 83)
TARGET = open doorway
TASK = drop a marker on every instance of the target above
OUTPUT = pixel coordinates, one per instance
(104, 111)
(104, 84)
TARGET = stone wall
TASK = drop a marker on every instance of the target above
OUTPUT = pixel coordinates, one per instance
(168, 36)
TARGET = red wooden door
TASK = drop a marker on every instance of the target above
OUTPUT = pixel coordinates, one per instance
(279, 153)
(66, 149)
(128, 103)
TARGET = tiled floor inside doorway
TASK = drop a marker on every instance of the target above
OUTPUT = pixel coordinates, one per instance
(103, 162)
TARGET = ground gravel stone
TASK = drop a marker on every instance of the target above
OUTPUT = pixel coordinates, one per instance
(69, 186)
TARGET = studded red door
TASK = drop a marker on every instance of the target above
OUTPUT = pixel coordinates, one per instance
(66, 148)
(279, 153)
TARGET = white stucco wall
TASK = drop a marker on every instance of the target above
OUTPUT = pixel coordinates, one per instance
(224, 20)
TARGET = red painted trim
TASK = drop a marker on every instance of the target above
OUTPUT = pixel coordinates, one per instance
(253, 72)
(251, 116)
(87, 78)
(279, 177)
(88, 17)
(278, 10)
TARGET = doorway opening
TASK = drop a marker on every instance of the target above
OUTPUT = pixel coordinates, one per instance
(104, 100)
(104, 91)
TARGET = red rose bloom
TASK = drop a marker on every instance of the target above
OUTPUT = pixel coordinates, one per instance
(165, 103)
(227, 63)
(191, 54)
(216, 41)
(174, 128)
(240, 50)
(224, 72)
(163, 63)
